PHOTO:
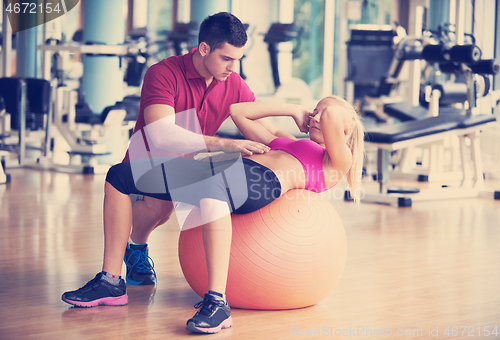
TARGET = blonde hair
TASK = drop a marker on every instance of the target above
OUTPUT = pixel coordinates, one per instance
(356, 144)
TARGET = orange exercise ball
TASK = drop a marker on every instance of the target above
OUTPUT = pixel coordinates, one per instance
(289, 254)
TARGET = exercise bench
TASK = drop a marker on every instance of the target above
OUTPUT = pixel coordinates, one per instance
(425, 132)
(26, 119)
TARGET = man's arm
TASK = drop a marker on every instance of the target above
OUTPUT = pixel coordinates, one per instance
(160, 125)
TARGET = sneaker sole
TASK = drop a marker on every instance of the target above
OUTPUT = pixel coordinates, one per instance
(140, 283)
(108, 301)
(224, 324)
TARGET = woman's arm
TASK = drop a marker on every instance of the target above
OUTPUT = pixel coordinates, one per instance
(266, 123)
(335, 125)
(247, 118)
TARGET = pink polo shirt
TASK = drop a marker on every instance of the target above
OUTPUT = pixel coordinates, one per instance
(175, 82)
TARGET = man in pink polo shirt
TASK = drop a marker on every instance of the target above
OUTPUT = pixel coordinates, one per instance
(204, 81)
(195, 90)
(184, 101)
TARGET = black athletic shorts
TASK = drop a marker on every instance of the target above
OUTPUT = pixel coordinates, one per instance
(245, 185)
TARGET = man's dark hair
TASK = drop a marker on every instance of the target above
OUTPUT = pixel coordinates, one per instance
(220, 28)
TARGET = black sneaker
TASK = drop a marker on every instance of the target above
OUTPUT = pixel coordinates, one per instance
(140, 267)
(213, 316)
(98, 292)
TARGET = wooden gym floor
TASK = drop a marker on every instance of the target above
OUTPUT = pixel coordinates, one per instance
(426, 272)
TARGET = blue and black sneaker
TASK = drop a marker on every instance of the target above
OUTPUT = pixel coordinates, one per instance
(140, 267)
(98, 292)
(214, 314)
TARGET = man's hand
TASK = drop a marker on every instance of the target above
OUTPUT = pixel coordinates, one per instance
(302, 117)
(246, 147)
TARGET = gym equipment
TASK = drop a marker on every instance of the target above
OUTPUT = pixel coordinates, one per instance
(78, 130)
(468, 53)
(369, 56)
(288, 89)
(183, 37)
(431, 131)
(178, 41)
(472, 79)
(248, 47)
(84, 132)
(437, 48)
(289, 254)
(137, 62)
(279, 33)
(32, 125)
(4, 178)
(27, 118)
(376, 56)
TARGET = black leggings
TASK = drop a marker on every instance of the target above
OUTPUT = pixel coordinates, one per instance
(245, 185)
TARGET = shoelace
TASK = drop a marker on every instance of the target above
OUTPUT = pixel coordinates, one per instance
(143, 261)
(90, 283)
(207, 306)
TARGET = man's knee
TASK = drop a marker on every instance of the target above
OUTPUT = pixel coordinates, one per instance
(161, 208)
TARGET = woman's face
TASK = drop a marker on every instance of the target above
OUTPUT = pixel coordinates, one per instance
(315, 132)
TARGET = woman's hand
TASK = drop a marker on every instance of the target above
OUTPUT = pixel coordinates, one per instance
(302, 117)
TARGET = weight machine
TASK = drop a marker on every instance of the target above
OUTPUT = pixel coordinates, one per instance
(448, 120)
(286, 88)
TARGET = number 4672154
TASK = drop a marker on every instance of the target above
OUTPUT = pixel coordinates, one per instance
(32, 8)
(470, 331)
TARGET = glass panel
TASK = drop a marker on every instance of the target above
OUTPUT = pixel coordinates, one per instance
(310, 14)
(308, 61)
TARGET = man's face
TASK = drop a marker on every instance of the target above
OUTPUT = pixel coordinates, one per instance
(223, 61)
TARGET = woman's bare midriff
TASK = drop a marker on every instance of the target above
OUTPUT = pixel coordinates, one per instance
(287, 168)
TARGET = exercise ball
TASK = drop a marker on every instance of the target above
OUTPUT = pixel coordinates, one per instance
(289, 254)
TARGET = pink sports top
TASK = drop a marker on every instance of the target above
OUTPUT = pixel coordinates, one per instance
(310, 155)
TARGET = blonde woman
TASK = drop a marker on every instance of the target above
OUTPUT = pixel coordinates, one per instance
(335, 149)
